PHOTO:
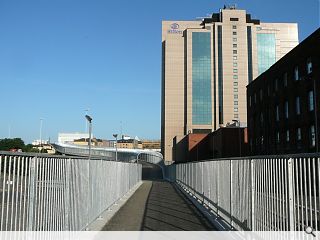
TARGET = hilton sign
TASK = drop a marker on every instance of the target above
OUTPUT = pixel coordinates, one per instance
(174, 29)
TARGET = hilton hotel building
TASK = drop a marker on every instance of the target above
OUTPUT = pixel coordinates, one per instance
(206, 66)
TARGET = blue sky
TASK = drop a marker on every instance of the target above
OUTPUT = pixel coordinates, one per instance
(60, 57)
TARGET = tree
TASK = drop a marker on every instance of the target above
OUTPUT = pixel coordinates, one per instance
(15, 143)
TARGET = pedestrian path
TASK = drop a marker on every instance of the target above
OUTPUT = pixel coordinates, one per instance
(158, 206)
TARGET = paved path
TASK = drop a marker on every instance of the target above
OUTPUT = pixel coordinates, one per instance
(158, 206)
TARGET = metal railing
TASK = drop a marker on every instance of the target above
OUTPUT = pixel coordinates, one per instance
(260, 194)
(52, 193)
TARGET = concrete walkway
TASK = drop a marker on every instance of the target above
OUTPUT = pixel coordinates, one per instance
(158, 206)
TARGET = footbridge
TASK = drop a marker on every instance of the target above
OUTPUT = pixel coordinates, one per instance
(42, 192)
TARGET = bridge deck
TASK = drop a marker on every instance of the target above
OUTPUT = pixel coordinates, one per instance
(158, 206)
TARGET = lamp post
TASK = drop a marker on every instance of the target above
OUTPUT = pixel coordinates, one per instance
(116, 137)
(239, 133)
(89, 119)
(40, 144)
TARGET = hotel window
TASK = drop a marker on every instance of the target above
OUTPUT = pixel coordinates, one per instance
(234, 51)
(298, 106)
(285, 79)
(288, 136)
(309, 66)
(296, 73)
(312, 136)
(311, 103)
(234, 39)
(277, 113)
(234, 33)
(235, 70)
(235, 64)
(298, 134)
(234, 45)
(286, 110)
(235, 58)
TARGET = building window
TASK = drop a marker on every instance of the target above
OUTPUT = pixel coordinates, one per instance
(236, 115)
(277, 113)
(236, 103)
(286, 110)
(261, 94)
(311, 103)
(234, 19)
(235, 96)
(298, 106)
(235, 76)
(299, 134)
(235, 84)
(201, 79)
(235, 64)
(235, 89)
(235, 70)
(234, 33)
(278, 137)
(309, 66)
(312, 136)
(234, 39)
(235, 58)
(255, 98)
(276, 85)
(296, 73)
(287, 136)
(266, 49)
(285, 79)
(234, 27)
(234, 51)
(234, 45)
(235, 109)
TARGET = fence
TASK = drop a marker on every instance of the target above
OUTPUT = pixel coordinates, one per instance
(260, 194)
(50, 193)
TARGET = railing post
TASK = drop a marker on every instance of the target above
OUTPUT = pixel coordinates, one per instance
(67, 195)
(290, 187)
(253, 227)
(231, 172)
(32, 197)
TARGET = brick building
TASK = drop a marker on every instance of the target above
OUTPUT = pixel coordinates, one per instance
(283, 103)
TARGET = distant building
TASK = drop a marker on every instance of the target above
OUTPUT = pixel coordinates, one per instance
(283, 103)
(38, 142)
(94, 142)
(129, 143)
(206, 66)
(70, 137)
(151, 144)
(231, 141)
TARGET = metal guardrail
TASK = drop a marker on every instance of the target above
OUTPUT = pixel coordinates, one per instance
(259, 194)
(52, 193)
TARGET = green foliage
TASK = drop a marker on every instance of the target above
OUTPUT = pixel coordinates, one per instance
(14, 143)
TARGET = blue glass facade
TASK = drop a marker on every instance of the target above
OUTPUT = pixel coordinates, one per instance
(201, 79)
(266, 43)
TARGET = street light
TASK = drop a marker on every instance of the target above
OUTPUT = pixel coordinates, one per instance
(41, 120)
(89, 119)
(116, 137)
(239, 133)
